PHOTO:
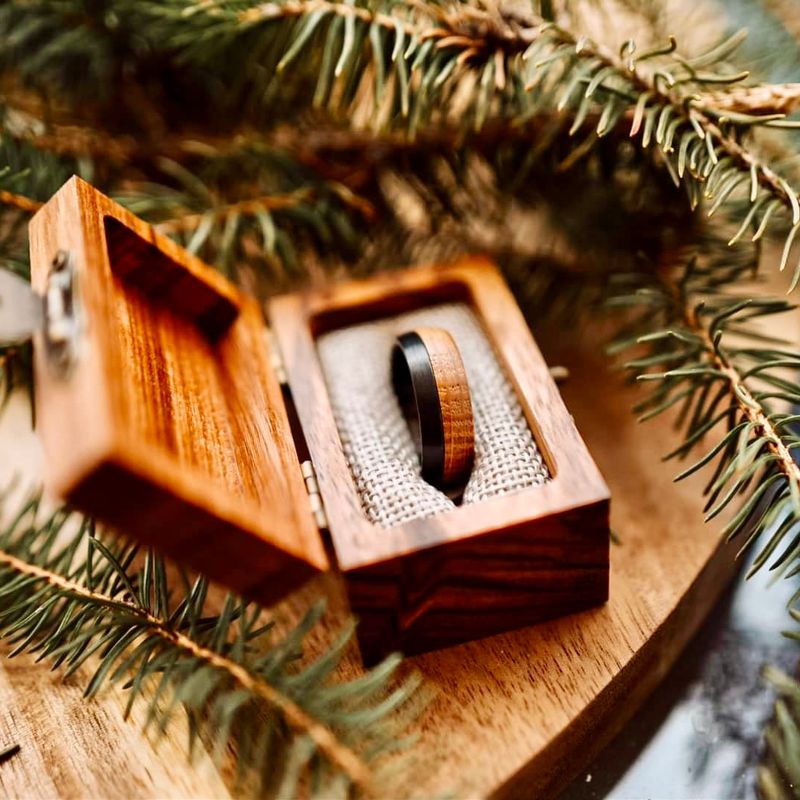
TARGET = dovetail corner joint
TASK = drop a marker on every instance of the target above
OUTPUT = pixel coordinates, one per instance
(317, 506)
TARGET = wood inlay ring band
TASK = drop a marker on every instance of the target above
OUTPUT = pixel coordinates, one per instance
(431, 384)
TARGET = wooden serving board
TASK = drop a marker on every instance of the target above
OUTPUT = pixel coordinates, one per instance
(517, 715)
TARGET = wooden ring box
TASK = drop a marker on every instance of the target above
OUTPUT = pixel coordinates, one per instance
(171, 427)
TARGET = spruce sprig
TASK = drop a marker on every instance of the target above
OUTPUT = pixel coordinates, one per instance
(707, 360)
(477, 64)
(266, 220)
(70, 597)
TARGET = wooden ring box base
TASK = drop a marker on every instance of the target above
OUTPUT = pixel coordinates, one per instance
(172, 428)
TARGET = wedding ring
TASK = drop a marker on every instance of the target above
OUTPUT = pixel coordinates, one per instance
(431, 385)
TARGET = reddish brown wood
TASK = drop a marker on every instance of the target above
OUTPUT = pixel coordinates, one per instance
(479, 569)
(171, 427)
(456, 405)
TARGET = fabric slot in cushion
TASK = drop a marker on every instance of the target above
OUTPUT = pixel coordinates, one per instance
(375, 436)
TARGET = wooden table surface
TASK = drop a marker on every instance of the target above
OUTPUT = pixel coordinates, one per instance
(516, 716)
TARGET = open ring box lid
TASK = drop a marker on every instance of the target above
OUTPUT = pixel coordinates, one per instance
(170, 426)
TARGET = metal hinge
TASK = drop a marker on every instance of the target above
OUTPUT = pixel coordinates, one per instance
(307, 468)
(276, 358)
(56, 314)
(312, 487)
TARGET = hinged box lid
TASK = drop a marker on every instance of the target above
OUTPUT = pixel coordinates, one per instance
(159, 411)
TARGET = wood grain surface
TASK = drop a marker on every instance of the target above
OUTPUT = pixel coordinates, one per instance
(454, 399)
(516, 715)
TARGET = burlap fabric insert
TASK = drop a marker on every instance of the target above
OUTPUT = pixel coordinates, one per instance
(376, 439)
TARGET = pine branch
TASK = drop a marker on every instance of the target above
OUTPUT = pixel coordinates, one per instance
(700, 144)
(473, 64)
(690, 329)
(776, 98)
(719, 359)
(728, 382)
(297, 719)
(72, 598)
(266, 231)
(19, 202)
(331, 151)
(49, 43)
(253, 207)
(476, 65)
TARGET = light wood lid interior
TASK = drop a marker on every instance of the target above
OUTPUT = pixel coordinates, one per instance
(172, 428)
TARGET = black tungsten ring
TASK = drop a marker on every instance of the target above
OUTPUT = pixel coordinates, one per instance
(431, 384)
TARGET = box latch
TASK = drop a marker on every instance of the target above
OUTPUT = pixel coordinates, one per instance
(56, 313)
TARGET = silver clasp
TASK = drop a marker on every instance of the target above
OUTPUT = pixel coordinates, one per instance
(61, 317)
(23, 312)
